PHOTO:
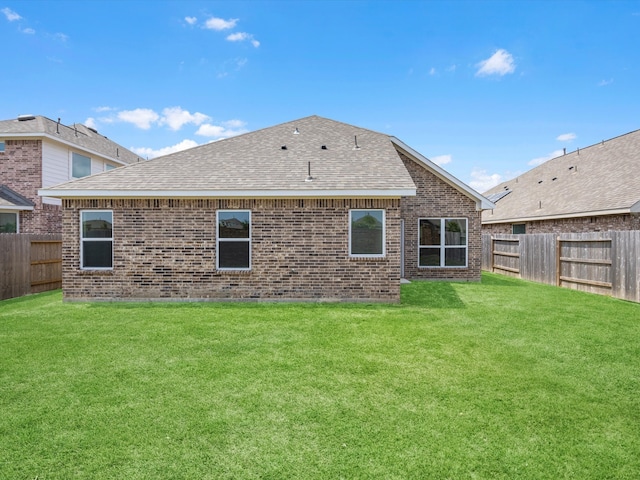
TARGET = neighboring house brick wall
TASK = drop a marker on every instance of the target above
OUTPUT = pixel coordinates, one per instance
(437, 199)
(601, 223)
(167, 249)
(21, 171)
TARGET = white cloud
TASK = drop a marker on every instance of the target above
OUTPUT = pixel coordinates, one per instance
(220, 24)
(432, 71)
(540, 160)
(140, 117)
(176, 117)
(190, 20)
(91, 123)
(151, 153)
(104, 109)
(483, 181)
(227, 129)
(28, 31)
(441, 159)
(241, 37)
(10, 14)
(604, 83)
(566, 137)
(61, 37)
(500, 63)
(452, 68)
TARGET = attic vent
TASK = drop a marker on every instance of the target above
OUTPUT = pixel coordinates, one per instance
(506, 187)
(323, 147)
(571, 167)
(554, 179)
(296, 131)
(24, 118)
(539, 182)
(283, 147)
(93, 130)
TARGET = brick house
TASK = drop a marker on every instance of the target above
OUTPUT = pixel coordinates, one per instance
(37, 152)
(590, 190)
(312, 209)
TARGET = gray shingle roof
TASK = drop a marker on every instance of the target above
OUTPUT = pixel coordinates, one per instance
(79, 135)
(603, 178)
(272, 161)
(13, 200)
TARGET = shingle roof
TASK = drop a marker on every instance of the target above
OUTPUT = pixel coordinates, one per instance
(13, 200)
(79, 135)
(273, 161)
(601, 179)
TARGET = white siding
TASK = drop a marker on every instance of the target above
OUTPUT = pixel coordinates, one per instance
(55, 167)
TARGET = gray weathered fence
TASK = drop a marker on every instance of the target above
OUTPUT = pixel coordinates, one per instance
(29, 264)
(606, 263)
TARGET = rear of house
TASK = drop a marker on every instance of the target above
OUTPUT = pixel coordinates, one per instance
(308, 210)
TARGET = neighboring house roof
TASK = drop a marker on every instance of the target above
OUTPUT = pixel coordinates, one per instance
(603, 179)
(341, 159)
(10, 200)
(77, 135)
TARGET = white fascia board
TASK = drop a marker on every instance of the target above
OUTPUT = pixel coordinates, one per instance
(595, 213)
(15, 208)
(67, 143)
(482, 203)
(64, 193)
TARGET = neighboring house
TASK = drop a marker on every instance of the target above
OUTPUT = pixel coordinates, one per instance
(312, 209)
(592, 189)
(37, 152)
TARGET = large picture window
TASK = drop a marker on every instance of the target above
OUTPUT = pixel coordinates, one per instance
(233, 240)
(80, 165)
(442, 242)
(366, 233)
(96, 239)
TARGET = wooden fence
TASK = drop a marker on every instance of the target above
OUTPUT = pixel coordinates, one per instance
(607, 263)
(29, 264)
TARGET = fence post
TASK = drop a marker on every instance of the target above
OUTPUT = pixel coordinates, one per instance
(558, 265)
(491, 244)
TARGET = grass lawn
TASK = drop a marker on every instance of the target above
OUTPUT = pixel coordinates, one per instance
(503, 379)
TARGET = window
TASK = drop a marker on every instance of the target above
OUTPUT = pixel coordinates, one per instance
(233, 242)
(366, 233)
(1, 146)
(442, 242)
(517, 228)
(96, 239)
(108, 167)
(80, 165)
(8, 222)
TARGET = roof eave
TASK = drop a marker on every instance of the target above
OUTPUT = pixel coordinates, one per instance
(482, 203)
(595, 213)
(84, 193)
(65, 142)
(14, 208)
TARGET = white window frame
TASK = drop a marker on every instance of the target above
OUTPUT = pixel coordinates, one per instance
(82, 240)
(443, 246)
(17, 214)
(384, 234)
(71, 154)
(222, 240)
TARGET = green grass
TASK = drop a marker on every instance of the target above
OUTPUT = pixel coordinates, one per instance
(503, 379)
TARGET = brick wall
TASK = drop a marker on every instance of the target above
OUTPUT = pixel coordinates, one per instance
(21, 171)
(167, 249)
(436, 199)
(601, 223)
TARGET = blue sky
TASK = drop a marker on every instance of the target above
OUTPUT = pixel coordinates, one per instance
(488, 89)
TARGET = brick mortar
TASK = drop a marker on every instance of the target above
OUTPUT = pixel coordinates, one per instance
(299, 252)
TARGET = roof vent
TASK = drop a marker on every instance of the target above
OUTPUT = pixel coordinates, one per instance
(296, 131)
(309, 177)
(323, 147)
(24, 118)
(554, 179)
(283, 147)
(93, 130)
(539, 182)
(355, 139)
